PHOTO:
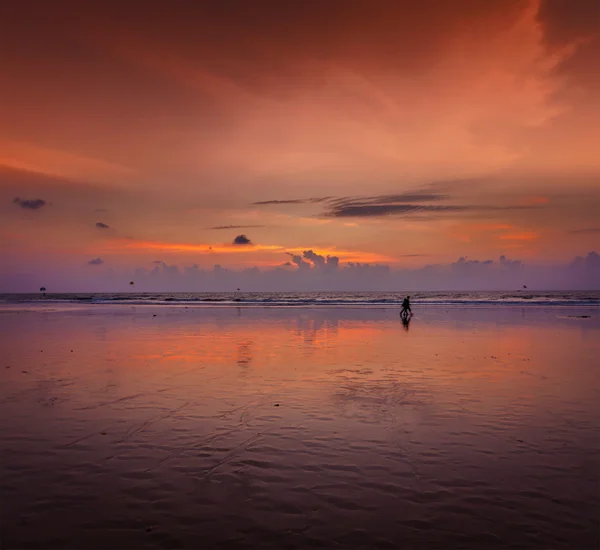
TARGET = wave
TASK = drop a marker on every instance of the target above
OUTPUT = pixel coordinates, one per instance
(319, 299)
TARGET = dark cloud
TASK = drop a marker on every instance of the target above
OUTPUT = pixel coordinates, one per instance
(575, 22)
(585, 230)
(30, 204)
(101, 225)
(235, 226)
(361, 210)
(339, 201)
(404, 204)
(568, 20)
(312, 200)
(381, 205)
(388, 199)
(96, 261)
(242, 240)
(396, 204)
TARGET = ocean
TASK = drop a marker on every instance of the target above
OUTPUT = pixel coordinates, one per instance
(312, 299)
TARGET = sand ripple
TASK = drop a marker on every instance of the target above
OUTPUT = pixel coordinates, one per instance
(351, 433)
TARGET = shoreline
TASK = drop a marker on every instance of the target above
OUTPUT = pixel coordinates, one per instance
(46, 304)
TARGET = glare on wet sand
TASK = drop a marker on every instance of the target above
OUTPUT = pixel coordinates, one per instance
(196, 427)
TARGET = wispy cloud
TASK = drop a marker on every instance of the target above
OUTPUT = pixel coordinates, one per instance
(96, 261)
(312, 200)
(102, 225)
(235, 226)
(525, 236)
(389, 199)
(585, 230)
(36, 158)
(408, 204)
(396, 204)
(360, 210)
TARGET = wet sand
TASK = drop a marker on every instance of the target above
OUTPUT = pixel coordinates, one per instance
(160, 427)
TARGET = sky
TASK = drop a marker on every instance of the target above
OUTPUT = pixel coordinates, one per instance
(351, 144)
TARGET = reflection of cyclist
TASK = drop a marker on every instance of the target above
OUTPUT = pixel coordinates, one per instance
(405, 321)
(406, 307)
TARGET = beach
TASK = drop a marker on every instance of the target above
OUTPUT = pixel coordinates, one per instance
(175, 426)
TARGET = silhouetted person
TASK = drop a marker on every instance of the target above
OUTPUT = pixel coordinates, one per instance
(406, 311)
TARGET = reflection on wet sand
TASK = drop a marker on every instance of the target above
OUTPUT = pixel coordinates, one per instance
(288, 428)
(244, 353)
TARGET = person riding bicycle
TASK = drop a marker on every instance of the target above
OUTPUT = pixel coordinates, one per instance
(406, 307)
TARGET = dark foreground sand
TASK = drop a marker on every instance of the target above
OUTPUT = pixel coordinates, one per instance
(295, 428)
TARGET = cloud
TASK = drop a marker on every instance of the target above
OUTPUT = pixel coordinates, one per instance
(591, 262)
(400, 205)
(302, 275)
(464, 266)
(101, 225)
(565, 22)
(312, 200)
(30, 204)
(386, 205)
(96, 261)
(242, 240)
(297, 259)
(329, 263)
(235, 226)
(585, 230)
(511, 264)
(397, 204)
(358, 210)
(381, 205)
(311, 261)
(389, 199)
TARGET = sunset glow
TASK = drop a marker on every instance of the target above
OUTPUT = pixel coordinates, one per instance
(384, 133)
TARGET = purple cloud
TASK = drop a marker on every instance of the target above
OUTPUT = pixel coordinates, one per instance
(30, 204)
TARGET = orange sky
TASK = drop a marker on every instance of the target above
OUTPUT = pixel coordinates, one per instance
(386, 132)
